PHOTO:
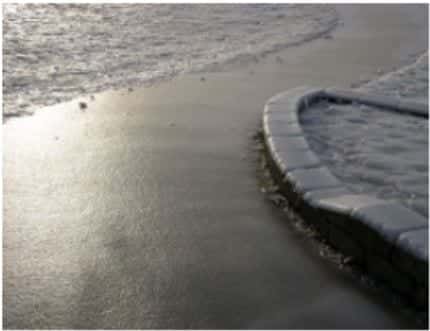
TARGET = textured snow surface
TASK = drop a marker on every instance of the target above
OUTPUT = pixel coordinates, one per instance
(54, 52)
(409, 82)
(375, 151)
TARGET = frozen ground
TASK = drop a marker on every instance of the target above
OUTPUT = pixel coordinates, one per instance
(375, 151)
(56, 52)
(408, 82)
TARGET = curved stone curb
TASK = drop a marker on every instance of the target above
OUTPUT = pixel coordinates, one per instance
(389, 103)
(389, 240)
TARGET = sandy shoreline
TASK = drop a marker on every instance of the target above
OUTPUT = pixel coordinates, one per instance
(143, 210)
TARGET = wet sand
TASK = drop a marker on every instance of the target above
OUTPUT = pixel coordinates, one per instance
(143, 210)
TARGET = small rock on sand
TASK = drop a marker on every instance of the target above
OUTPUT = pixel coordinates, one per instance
(276, 199)
(82, 105)
(347, 260)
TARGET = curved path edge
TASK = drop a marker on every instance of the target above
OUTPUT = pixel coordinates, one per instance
(389, 240)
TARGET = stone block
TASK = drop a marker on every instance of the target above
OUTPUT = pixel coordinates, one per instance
(416, 242)
(380, 225)
(274, 169)
(339, 208)
(278, 128)
(312, 197)
(287, 189)
(278, 112)
(415, 108)
(269, 122)
(293, 143)
(411, 254)
(350, 202)
(308, 207)
(305, 180)
(390, 103)
(287, 143)
(295, 159)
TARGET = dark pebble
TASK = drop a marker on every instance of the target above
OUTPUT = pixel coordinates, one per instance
(82, 105)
